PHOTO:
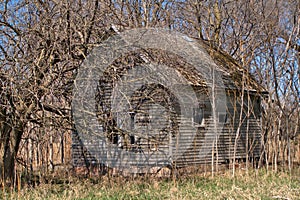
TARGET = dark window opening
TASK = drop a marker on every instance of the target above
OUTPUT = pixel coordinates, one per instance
(198, 116)
(223, 118)
(132, 139)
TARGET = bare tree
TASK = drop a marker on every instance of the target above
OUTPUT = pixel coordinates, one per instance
(264, 37)
(43, 43)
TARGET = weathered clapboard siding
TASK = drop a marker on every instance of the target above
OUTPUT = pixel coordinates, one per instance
(149, 136)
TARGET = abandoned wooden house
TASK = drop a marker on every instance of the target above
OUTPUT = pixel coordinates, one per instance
(154, 117)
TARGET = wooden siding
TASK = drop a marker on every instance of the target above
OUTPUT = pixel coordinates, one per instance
(146, 136)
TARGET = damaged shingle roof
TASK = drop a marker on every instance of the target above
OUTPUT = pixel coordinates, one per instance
(232, 70)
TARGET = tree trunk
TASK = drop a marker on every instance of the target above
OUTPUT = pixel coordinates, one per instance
(9, 146)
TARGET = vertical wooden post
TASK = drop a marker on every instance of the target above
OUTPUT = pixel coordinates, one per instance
(51, 152)
(62, 148)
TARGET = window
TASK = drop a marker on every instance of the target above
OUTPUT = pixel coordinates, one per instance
(198, 116)
(222, 117)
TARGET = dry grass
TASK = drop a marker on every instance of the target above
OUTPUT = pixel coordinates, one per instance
(254, 185)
